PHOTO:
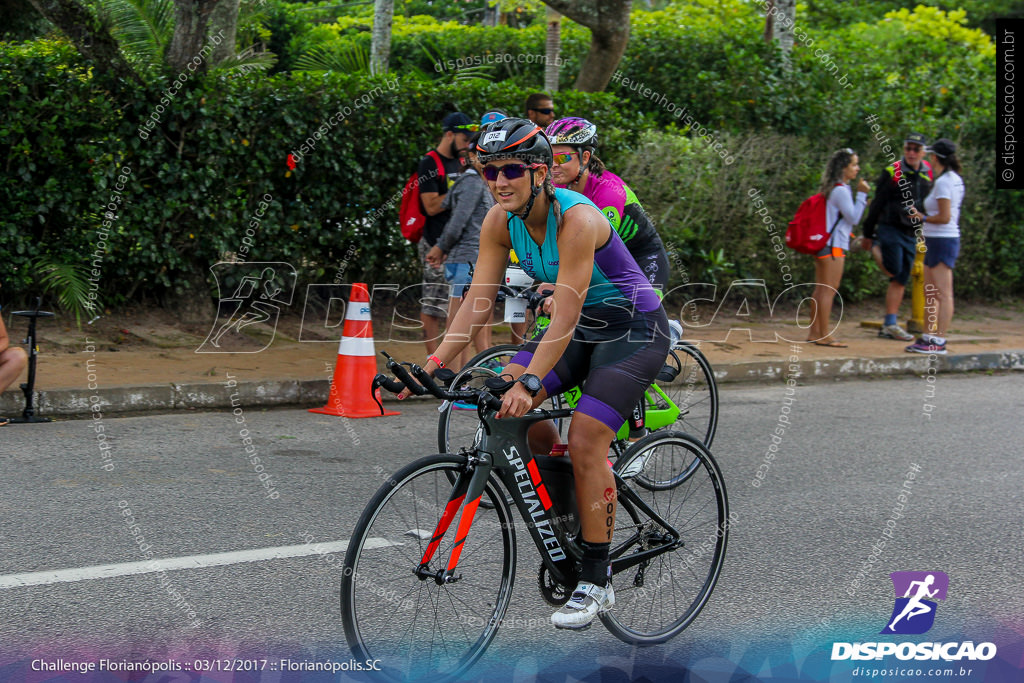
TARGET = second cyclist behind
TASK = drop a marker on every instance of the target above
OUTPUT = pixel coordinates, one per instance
(576, 167)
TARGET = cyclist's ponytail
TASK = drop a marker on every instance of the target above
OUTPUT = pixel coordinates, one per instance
(549, 192)
(595, 165)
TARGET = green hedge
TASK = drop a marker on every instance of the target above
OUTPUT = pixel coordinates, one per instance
(221, 145)
(197, 179)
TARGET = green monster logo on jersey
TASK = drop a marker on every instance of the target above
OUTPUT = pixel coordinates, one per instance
(613, 215)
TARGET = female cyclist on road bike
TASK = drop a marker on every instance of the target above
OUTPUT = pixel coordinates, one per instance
(608, 330)
(576, 167)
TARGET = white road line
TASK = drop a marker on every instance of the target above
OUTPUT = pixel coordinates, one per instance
(105, 571)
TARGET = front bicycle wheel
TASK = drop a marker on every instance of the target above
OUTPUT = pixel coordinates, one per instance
(418, 629)
(458, 426)
(657, 598)
(689, 383)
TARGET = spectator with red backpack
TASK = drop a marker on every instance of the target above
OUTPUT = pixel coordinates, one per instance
(899, 194)
(469, 201)
(433, 186)
(842, 212)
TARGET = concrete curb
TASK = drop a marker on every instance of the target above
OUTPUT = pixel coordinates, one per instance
(906, 364)
(167, 398)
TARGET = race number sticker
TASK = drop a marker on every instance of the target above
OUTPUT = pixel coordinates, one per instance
(494, 136)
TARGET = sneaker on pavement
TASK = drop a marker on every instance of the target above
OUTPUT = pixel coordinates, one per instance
(587, 600)
(927, 346)
(894, 331)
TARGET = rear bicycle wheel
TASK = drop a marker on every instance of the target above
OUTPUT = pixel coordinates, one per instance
(689, 382)
(656, 599)
(417, 629)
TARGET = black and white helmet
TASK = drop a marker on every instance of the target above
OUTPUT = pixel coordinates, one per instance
(514, 139)
(574, 131)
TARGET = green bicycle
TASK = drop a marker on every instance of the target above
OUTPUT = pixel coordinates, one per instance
(684, 396)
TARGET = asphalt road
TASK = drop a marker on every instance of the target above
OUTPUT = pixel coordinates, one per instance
(786, 594)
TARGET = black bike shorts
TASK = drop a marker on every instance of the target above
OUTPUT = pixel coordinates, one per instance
(613, 365)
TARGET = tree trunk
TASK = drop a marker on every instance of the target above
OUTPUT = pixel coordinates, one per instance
(224, 23)
(553, 47)
(608, 21)
(380, 51)
(91, 41)
(769, 22)
(191, 300)
(784, 30)
(191, 17)
(492, 15)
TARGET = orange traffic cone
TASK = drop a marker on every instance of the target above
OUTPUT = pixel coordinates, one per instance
(356, 366)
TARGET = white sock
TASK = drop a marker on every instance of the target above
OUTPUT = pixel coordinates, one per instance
(940, 341)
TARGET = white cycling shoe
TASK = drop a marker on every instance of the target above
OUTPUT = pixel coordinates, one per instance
(587, 600)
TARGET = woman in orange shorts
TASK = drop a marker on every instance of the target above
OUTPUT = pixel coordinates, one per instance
(842, 212)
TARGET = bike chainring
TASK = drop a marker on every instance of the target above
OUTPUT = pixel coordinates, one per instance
(553, 592)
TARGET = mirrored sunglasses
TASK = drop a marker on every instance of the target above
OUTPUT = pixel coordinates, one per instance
(564, 157)
(511, 171)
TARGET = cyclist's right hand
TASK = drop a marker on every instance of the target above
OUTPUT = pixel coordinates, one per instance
(516, 402)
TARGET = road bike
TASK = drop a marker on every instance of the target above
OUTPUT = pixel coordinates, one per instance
(684, 396)
(429, 570)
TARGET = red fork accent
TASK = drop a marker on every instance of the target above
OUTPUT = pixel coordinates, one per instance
(460, 537)
(545, 499)
(534, 472)
(442, 527)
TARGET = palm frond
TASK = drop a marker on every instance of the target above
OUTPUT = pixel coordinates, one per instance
(352, 58)
(248, 60)
(435, 52)
(143, 28)
(68, 283)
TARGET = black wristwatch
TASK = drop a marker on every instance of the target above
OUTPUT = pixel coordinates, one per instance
(531, 382)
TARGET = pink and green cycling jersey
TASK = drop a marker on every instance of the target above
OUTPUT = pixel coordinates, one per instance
(616, 200)
(616, 280)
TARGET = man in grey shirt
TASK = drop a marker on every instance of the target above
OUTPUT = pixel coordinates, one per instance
(457, 247)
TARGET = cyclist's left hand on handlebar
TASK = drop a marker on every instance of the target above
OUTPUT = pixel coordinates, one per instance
(430, 366)
(516, 402)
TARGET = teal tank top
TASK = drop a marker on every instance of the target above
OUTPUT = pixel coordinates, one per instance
(616, 279)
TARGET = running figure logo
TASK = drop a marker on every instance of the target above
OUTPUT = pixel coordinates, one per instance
(259, 291)
(913, 613)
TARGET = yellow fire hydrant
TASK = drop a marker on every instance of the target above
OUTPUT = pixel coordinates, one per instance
(915, 323)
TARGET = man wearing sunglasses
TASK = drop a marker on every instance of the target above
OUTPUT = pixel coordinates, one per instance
(540, 109)
(901, 188)
(457, 128)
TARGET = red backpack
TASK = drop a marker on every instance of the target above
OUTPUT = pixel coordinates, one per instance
(808, 232)
(410, 212)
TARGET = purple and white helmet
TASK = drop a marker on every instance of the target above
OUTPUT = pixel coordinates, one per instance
(572, 131)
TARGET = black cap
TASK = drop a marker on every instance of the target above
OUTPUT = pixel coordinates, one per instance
(455, 120)
(916, 139)
(942, 148)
